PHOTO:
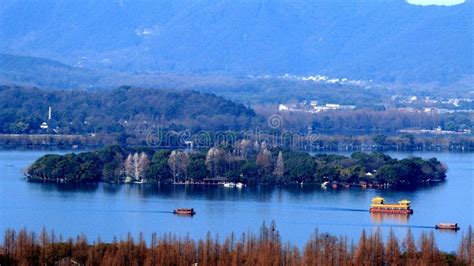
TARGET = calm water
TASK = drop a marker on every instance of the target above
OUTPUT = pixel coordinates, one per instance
(110, 210)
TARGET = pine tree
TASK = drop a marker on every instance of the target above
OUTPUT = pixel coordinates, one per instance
(409, 248)
(361, 252)
(377, 253)
(392, 250)
(466, 247)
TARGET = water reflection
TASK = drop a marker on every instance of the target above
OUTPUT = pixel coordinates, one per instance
(74, 188)
(261, 193)
(379, 218)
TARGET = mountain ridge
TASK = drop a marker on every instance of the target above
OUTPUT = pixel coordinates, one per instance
(389, 41)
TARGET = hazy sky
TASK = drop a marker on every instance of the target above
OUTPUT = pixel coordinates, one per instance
(436, 2)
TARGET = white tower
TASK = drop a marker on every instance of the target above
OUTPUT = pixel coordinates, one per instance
(49, 113)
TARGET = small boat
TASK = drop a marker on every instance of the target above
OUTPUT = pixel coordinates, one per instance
(324, 184)
(184, 211)
(229, 184)
(240, 185)
(346, 185)
(447, 226)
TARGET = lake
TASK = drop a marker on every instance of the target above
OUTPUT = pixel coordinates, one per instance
(113, 210)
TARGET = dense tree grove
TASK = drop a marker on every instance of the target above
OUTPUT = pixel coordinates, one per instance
(367, 121)
(250, 164)
(266, 248)
(122, 110)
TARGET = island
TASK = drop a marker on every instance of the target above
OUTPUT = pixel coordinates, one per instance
(248, 162)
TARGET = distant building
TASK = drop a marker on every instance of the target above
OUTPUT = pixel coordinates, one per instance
(283, 107)
(333, 106)
(44, 125)
(313, 107)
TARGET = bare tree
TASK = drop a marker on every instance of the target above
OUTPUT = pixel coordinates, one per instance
(173, 163)
(264, 161)
(183, 163)
(178, 163)
(143, 164)
(136, 165)
(244, 147)
(215, 158)
(128, 165)
(279, 166)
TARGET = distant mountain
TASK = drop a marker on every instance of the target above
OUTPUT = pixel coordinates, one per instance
(43, 72)
(50, 74)
(388, 40)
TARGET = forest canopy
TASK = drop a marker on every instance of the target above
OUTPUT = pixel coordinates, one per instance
(111, 111)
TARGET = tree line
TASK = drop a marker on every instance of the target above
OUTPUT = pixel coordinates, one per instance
(128, 115)
(264, 248)
(366, 121)
(247, 162)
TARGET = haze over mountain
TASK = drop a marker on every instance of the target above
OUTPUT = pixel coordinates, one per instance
(389, 41)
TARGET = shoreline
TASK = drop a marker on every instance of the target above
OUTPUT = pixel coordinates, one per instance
(323, 143)
(84, 148)
(310, 185)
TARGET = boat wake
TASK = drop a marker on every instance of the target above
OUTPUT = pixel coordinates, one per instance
(404, 226)
(373, 225)
(337, 209)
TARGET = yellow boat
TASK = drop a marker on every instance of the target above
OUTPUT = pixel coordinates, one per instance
(379, 206)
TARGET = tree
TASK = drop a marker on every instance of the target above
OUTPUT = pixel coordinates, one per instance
(279, 166)
(264, 161)
(249, 171)
(215, 159)
(429, 252)
(380, 140)
(377, 248)
(143, 165)
(362, 250)
(183, 163)
(136, 166)
(178, 163)
(173, 163)
(466, 247)
(197, 169)
(409, 247)
(159, 169)
(392, 250)
(128, 166)
(244, 147)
